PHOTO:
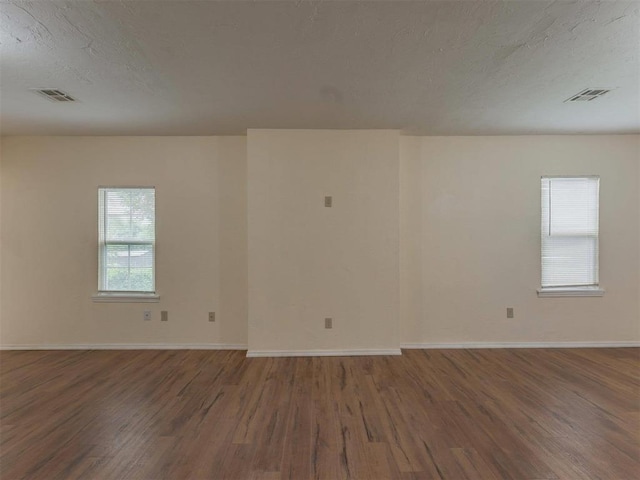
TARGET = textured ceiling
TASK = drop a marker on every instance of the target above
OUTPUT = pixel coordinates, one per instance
(212, 67)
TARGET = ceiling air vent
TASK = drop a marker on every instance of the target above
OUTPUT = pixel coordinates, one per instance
(587, 95)
(54, 94)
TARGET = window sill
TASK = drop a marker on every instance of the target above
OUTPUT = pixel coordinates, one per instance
(106, 297)
(571, 292)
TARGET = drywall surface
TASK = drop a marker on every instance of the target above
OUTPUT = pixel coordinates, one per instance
(232, 233)
(49, 243)
(411, 305)
(308, 262)
(428, 241)
(220, 67)
(0, 237)
(472, 224)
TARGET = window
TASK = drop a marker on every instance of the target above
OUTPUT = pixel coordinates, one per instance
(570, 236)
(126, 236)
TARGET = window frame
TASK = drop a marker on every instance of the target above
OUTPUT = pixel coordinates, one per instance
(103, 295)
(594, 290)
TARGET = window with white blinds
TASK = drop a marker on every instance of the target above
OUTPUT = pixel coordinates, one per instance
(127, 237)
(570, 231)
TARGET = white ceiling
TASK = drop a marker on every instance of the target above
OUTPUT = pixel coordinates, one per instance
(219, 67)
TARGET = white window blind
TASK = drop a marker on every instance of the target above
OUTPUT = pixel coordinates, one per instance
(127, 236)
(570, 231)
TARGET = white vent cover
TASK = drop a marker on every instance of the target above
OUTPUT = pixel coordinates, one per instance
(54, 94)
(587, 95)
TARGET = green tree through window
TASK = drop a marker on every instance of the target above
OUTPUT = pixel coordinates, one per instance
(127, 239)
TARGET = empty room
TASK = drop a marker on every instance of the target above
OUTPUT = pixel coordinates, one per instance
(366, 240)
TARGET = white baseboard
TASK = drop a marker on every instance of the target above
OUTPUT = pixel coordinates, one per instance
(322, 353)
(470, 345)
(316, 353)
(130, 346)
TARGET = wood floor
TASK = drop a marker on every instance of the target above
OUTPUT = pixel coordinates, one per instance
(449, 414)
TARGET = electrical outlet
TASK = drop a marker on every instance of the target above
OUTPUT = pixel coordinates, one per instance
(147, 315)
(509, 312)
(328, 323)
(164, 316)
(328, 201)
(212, 316)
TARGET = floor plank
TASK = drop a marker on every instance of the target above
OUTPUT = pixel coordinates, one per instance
(428, 414)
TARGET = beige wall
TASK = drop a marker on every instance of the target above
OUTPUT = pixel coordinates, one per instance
(429, 241)
(1, 240)
(49, 243)
(471, 209)
(308, 262)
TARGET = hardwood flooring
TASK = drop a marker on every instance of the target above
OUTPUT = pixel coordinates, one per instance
(429, 414)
